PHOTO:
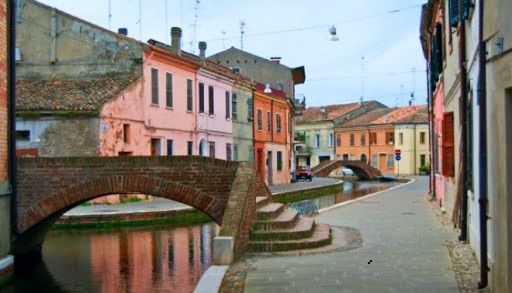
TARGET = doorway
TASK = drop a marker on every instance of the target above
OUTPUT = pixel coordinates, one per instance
(269, 168)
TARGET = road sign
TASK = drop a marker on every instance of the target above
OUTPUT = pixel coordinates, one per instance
(397, 157)
(398, 153)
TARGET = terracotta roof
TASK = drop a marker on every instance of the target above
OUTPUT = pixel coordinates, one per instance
(315, 114)
(401, 115)
(80, 95)
(261, 87)
(410, 114)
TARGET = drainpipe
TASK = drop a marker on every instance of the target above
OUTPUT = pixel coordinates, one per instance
(482, 141)
(53, 37)
(11, 95)
(432, 181)
(463, 122)
(415, 154)
(369, 146)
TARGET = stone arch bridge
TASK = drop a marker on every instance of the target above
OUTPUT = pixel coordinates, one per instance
(48, 187)
(363, 170)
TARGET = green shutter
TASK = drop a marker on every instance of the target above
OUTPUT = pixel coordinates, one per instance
(453, 10)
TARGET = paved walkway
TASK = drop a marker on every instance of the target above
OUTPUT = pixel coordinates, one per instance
(161, 204)
(403, 250)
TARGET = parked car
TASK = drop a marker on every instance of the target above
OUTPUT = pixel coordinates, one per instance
(347, 172)
(304, 172)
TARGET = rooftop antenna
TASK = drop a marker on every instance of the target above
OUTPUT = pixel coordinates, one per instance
(413, 87)
(242, 32)
(401, 93)
(362, 80)
(109, 15)
(194, 27)
(166, 26)
(140, 20)
(223, 39)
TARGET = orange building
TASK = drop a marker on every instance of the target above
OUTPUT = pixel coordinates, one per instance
(271, 139)
(371, 137)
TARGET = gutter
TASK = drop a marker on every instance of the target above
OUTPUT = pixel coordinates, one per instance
(11, 95)
(482, 142)
(463, 216)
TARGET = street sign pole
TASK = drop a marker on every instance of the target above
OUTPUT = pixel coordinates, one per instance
(397, 158)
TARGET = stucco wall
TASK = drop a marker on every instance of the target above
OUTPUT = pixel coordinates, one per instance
(242, 125)
(323, 128)
(411, 147)
(81, 48)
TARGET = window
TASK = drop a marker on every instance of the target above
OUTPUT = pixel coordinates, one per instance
(211, 146)
(190, 146)
(345, 157)
(330, 140)
(422, 137)
(453, 11)
(211, 106)
(448, 145)
(250, 113)
(228, 152)
(233, 107)
(126, 133)
(279, 161)
(170, 145)
(154, 86)
(352, 139)
(189, 95)
(390, 138)
(260, 122)
(278, 123)
(364, 159)
(269, 122)
(235, 152)
(201, 97)
(155, 147)
(338, 139)
(251, 153)
(228, 104)
(375, 161)
(401, 138)
(423, 160)
(168, 90)
(363, 139)
(390, 161)
(373, 138)
(22, 135)
(317, 140)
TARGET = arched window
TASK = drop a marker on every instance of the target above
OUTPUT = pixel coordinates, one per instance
(364, 159)
(203, 151)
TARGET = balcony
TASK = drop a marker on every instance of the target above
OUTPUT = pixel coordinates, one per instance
(303, 150)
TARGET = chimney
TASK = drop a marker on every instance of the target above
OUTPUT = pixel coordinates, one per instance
(324, 113)
(202, 50)
(275, 60)
(122, 31)
(176, 39)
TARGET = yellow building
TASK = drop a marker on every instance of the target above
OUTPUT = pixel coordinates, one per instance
(412, 139)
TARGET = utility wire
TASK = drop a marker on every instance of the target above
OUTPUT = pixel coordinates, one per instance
(319, 26)
(366, 76)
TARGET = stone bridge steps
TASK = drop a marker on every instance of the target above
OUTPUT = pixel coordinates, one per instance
(287, 219)
(261, 201)
(269, 211)
(304, 228)
(320, 237)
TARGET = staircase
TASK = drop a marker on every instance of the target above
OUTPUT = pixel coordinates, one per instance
(276, 229)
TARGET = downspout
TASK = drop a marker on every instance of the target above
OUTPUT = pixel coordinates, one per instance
(482, 141)
(369, 146)
(463, 122)
(432, 181)
(11, 85)
(415, 154)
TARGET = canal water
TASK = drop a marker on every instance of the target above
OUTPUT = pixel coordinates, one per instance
(149, 259)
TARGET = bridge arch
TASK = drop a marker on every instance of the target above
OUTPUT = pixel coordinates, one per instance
(48, 187)
(361, 169)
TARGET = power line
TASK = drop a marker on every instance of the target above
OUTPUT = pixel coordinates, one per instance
(319, 26)
(366, 76)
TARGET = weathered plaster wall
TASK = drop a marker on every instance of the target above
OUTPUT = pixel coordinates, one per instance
(242, 125)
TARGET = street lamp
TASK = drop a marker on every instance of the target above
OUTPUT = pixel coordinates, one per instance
(332, 34)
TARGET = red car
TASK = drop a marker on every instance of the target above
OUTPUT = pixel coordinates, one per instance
(304, 172)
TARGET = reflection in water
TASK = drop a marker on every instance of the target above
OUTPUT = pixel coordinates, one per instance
(128, 260)
(352, 190)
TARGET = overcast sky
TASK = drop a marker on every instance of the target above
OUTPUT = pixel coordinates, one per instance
(385, 33)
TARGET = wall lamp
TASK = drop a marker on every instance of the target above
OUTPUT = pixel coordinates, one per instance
(267, 89)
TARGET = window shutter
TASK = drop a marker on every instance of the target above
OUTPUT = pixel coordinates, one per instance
(453, 10)
(448, 145)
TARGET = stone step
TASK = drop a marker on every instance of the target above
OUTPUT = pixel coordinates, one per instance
(261, 201)
(287, 219)
(269, 211)
(304, 228)
(320, 237)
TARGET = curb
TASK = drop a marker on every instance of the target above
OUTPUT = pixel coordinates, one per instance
(363, 197)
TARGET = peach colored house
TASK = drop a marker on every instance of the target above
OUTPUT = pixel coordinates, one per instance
(371, 137)
(272, 150)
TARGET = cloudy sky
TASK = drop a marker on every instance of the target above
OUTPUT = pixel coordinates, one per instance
(384, 33)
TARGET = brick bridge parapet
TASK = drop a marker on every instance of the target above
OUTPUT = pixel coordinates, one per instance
(360, 168)
(48, 187)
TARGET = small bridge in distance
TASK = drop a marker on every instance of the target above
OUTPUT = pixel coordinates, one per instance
(360, 168)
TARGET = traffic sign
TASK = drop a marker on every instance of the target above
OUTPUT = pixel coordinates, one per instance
(398, 152)
(397, 157)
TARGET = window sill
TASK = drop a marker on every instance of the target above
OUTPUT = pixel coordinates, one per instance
(228, 119)
(201, 114)
(154, 105)
(169, 108)
(190, 112)
(212, 115)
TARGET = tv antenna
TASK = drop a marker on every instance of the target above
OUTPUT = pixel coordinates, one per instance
(242, 32)
(109, 15)
(362, 80)
(413, 88)
(223, 39)
(194, 27)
